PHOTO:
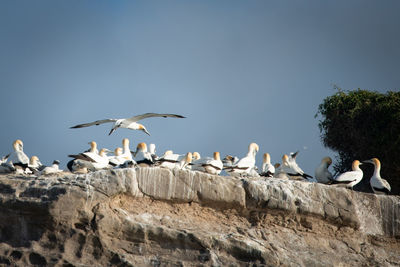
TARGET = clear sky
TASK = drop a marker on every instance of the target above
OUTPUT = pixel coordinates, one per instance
(240, 71)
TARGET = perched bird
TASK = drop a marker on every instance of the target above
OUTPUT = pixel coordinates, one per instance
(296, 170)
(35, 165)
(130, 123)
(378, 184)
(6, 167)
(209, 165)
(93, 147)
(4, 159)
(152, 151)
(196, 156)
(54, 168)
(350, 178)
(268, 170)
(18, 158)
(175, 161)
(92, 161)
(229, 161)
(126, 151)
(117, 159)
(142, 156)
(322, 174)
(245, 165)
(184, 162)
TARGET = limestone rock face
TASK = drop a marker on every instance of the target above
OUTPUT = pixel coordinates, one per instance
(158, 217)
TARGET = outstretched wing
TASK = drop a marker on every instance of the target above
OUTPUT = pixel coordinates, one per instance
(93, 123)
(149, 115)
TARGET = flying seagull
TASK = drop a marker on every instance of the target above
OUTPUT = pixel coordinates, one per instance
(130, 123)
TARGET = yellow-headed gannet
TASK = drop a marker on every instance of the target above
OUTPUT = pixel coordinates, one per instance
(93, 147)
(168, 159)
(117, 159)
(268, 170)
(175, 161)
(378, 184)
(35, 165)
(350, 178)
(54, 168)
(126, 151)
(229, 161)
(18, 157)
(245, 165)
(209, 165)
(296, 170)
(196, 156)
(142, 156)
(130, 123)
(322, 174)
(92, 161)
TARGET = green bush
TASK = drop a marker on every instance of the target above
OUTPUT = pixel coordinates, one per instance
(362, 124)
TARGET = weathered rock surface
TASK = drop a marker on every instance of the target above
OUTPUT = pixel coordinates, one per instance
(156, 217)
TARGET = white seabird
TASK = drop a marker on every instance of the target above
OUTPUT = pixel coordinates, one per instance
(209, 165)
(245, 165)
(54, 168)
(267, 170)
(4, 166)
(126, 151)
(93, 147)
(322, 174)
(378, 184)
(142, 156)
(168, 159)
(18, 158)
(296, 170)
(35, 165)
(129, 123)
(229, 161)
(175, 161)
(196, 156)
(350, 178)
(152, 151)
(117, 159)
(92, 161)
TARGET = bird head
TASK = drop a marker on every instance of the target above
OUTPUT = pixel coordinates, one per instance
(196, 155)
(93, 146)
(103, 152)
(118, 151)
(285, 159)
(266, 158)
(34, 160)
(125, 142)
(142, 128)
(327, 160)
(374, 161)
(217, 156)
(18, 145)
(141, 147)
(355, 165)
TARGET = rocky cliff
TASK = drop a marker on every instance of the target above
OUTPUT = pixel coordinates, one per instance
(158, 217)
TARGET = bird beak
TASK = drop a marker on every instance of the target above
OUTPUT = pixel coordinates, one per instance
(112, 130)
(366, 161)
(144, 130)
(134, 153)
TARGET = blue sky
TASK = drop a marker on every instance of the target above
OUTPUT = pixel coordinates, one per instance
(240, 71)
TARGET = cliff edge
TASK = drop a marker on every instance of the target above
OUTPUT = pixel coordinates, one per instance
(158, 217)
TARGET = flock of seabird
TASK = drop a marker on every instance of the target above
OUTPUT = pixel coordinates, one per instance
(145, 156)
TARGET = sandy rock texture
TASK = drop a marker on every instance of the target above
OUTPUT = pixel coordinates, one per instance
(158, 217)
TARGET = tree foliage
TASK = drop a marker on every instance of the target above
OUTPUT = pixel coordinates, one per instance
(362, 124)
